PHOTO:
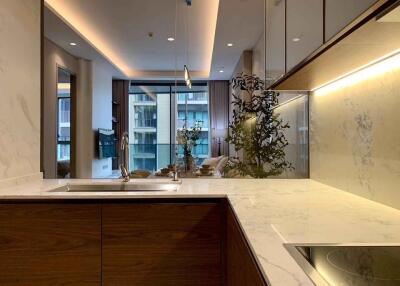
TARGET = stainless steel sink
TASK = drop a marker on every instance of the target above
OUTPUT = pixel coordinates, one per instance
(120, 187)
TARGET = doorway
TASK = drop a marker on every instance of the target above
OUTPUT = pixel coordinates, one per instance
(65, 157)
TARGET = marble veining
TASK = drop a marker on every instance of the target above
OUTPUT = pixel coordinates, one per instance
(20, 88)
(272, 212)
(355, 138)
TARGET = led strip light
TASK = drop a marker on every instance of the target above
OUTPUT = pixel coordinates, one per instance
(380, 66)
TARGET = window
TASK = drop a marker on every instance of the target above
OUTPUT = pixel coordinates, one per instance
(154, 116)
(64, 80)
(193, 108)
(63, 122)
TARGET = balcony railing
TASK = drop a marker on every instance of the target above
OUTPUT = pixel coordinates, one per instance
(156, 156)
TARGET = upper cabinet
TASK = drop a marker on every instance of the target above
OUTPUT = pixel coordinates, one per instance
(297, 31)
(339, 13)
(304, 29)
(275, 44)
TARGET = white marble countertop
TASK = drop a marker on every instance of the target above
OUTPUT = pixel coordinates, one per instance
(271, 212)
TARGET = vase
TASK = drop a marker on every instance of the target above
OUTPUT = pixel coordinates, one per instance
(190, 164)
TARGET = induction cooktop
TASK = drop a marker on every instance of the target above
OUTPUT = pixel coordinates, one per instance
(349, 265)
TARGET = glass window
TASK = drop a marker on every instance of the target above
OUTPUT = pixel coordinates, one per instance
(193, 108)
(154, 116)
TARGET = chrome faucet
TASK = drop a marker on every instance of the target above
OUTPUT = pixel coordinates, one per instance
(124, 166)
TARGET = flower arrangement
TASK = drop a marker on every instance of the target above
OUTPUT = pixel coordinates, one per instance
(187, 139)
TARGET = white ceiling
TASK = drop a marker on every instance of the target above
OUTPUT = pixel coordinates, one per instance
(119, 30)
(61, 34)
(240, 22)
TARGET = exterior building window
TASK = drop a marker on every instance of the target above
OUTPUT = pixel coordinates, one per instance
(64, 128)
(155, 115)
(193, 108)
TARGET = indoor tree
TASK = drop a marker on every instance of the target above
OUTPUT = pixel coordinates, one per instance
(256, 130)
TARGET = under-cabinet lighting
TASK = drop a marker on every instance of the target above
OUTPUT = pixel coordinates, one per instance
(377, 67)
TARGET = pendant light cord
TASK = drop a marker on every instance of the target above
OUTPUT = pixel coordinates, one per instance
(175, 45)
(187, 35)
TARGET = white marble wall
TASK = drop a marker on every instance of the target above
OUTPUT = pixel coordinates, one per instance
(294, 111)
(19, 88)
(355, 138)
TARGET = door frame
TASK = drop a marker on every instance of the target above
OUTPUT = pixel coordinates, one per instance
(73, 120)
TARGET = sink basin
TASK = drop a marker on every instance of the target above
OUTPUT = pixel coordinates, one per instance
(120, 187)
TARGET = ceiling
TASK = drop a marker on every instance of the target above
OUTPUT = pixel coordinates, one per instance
(61, 34)
(240, 22)
(119, 31)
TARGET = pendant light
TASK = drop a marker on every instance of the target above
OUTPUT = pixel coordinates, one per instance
(186, 73)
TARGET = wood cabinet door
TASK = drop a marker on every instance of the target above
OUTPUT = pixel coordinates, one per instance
(241, 267)
(50, 244)
(162, 244)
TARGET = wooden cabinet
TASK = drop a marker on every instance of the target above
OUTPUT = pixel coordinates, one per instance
(124, 242)
(162, 244)
(50, 244)
(241, 267)
(304, 29)
(340, 13)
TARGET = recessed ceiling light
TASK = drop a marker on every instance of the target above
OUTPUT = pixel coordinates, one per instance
(221, 71)
(296, 39)
(170, 39)
(229, 44)
(72, 44)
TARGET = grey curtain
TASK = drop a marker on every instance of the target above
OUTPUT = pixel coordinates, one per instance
(219, 113)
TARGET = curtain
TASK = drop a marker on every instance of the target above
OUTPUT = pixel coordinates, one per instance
(120, 112)
(219, 115)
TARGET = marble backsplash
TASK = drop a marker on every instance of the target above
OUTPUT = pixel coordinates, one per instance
(355, 138)
(19, 89)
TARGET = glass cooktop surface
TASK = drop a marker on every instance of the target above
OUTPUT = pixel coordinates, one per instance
(349, 265)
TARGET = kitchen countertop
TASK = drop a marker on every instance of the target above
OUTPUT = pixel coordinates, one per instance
(271, 212)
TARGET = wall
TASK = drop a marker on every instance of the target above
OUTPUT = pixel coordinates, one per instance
(293, 109)
(355, 138)
(244, 65)
(84, 134)
(101, 112)
(19, 88)
(53, 58)
(258, 58)
(94, 108)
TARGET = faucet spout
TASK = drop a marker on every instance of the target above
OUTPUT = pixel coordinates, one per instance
(124, 166)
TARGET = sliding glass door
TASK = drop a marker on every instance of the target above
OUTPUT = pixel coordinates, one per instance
(156, 112)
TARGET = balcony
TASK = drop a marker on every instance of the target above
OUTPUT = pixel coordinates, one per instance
(156, 156)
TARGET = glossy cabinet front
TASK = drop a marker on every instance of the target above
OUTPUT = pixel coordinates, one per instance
(295, 29)
(275, 44)
(304, 29)
(340, 13)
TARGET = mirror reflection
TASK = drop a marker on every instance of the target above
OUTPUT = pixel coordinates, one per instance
(167, 84)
